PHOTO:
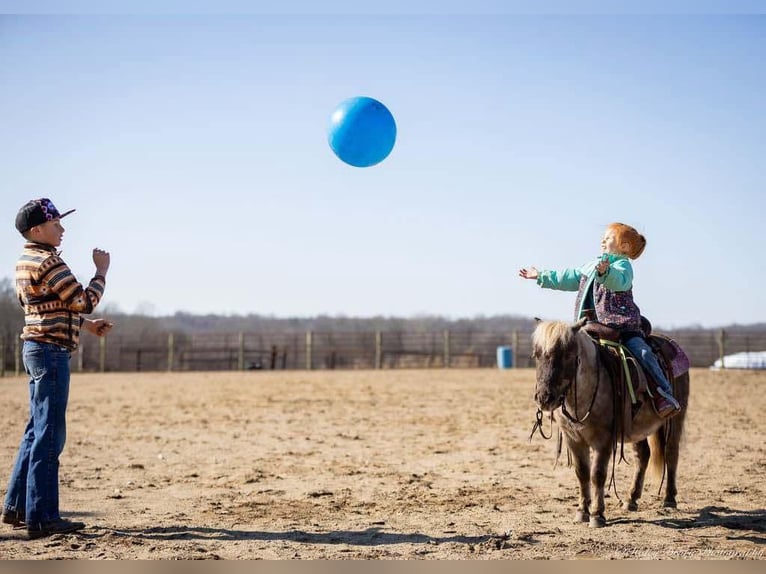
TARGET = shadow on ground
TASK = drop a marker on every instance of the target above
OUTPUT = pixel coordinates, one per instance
(714, 516)
(368, 537)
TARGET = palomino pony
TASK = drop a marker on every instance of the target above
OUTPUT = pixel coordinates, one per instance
(573, 383)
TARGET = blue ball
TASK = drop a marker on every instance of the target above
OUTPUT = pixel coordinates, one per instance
(362, 131)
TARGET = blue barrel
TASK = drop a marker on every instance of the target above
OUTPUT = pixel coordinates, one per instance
(504, 358)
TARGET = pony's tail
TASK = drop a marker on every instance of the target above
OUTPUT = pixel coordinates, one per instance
(657, 443)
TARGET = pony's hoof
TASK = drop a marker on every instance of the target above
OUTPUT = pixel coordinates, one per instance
(597, 522)
(581, 516)
(631, 505)
(669, 504)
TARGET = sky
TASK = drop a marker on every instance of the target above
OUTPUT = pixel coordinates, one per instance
(194, 147)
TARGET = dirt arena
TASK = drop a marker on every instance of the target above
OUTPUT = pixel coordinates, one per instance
(409, 464)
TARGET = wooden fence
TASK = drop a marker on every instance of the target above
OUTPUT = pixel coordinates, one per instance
(334, 350)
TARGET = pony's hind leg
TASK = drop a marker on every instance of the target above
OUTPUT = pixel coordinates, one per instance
(671, 458)
(581, 455)
(665, 445)
(670, 439)
(641, 454)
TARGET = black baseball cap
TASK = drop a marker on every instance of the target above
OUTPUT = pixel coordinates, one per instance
(37, 211)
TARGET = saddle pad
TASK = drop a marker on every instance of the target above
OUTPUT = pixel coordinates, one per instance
(674, 355)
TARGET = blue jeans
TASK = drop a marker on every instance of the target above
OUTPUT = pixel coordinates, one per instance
(34, 484)
(643, 352)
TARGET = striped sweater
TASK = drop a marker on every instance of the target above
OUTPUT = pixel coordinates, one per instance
(52, 297)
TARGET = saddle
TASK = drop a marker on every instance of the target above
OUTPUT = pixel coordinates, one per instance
(627, 370)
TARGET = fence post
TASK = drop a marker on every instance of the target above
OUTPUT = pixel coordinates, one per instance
(241, 352)
(722, 346)
(170, 351)
(17, 358)
(309, 350)
(2, 356)
(447, 359)
(101, 354)
(515, 349)
(378, 349)
(80, 353)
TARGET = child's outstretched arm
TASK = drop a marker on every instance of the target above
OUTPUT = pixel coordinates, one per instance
(564, 280)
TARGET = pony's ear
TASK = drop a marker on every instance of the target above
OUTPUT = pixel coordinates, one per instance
(538, 319)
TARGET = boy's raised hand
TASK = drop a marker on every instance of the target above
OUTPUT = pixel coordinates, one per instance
(101, 260)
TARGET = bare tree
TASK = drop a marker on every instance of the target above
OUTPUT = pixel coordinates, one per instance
(11, 322)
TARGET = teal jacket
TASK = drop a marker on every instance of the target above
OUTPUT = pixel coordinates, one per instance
(610, 295)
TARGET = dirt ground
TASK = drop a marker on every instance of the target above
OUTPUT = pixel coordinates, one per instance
(398, 464)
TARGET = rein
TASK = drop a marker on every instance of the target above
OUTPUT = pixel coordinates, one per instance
(573, 385)
(538, 426)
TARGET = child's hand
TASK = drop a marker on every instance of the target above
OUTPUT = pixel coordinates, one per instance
(603, 265)
(528, 273)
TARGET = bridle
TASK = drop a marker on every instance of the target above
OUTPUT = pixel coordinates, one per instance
(571, 385)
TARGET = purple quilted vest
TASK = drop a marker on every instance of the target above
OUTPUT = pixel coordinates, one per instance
(614, 308)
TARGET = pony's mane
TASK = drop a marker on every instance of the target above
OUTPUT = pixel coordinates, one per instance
(550, 334)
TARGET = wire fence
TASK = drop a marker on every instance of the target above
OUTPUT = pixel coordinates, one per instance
(338, 350)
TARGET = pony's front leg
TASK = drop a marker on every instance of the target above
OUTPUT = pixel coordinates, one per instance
(598, 478)
(581, 454)
(641, 454)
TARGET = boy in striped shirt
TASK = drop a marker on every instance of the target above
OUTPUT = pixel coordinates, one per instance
(53, 302)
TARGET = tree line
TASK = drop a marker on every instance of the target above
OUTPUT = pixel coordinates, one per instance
(138, 325)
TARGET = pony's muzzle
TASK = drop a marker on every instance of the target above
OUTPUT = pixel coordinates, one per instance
(546, 401)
